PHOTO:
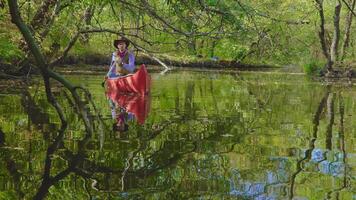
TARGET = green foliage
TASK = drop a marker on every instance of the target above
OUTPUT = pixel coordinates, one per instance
(271, 31)
(212, 2)
(228, 49)
(8, 195)
(8, 50)
(312, 68)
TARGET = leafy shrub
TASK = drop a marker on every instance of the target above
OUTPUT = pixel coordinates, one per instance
(312, 68)
(8, 50)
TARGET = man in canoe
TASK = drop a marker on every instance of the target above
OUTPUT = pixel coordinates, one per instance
(122, 61)
(122, 64)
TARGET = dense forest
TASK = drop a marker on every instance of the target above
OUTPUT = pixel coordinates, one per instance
(306, 34)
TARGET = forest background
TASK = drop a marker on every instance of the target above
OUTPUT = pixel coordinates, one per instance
(309, 35)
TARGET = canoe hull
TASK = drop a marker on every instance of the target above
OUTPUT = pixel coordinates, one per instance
(137, 83)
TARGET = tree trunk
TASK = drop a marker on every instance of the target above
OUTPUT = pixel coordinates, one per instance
(47, 27)
(336, 37)
(331, 54)
(88, 15)
(41, 17)
(212, 49)
(322, 34)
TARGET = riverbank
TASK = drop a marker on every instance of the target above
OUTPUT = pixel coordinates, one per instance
(98, 63)
(98, 59)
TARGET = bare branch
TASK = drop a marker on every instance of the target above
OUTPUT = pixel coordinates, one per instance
(351, 8)
(347, 30)
(258, 13)
(66, 50)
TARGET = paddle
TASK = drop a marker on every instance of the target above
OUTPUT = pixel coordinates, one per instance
(103, 83)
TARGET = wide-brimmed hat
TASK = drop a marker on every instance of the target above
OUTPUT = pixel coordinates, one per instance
(122, 39)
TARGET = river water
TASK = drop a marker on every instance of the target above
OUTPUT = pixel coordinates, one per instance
(198, 135)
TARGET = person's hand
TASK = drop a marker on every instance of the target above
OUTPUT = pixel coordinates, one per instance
(122, 71)
(119, 62)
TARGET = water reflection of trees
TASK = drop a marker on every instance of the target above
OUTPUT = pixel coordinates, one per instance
(327, 103)
(9, 161)
(41, 119)
(185, 154)
(198, 137)
(192, 139)
(342, 149)
(308, 152)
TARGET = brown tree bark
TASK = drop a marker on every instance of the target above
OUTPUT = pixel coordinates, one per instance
(322, 33)
(336, 37)
(42, 15)
(88, 15)
(331, 54)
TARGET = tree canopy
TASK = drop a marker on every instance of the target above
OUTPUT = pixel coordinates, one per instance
(276, 32)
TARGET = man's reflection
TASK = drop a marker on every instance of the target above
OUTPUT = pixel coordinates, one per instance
(126, 108)
(121, 117)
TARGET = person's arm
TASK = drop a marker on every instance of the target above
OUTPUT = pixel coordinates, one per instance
(131, 66)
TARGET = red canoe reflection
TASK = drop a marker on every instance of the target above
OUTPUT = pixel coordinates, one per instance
(138, 105)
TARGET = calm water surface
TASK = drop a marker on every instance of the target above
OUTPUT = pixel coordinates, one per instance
(204, 136)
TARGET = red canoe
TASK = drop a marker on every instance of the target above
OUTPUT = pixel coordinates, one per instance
(137, 83)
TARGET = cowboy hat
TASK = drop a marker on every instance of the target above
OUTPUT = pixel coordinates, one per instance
(122, 39)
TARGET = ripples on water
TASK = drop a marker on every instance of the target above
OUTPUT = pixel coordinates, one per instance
(206, 136)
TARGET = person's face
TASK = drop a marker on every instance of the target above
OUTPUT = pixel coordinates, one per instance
(121, 46)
